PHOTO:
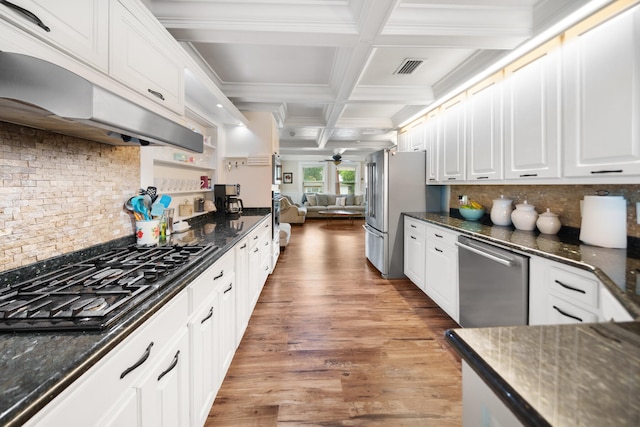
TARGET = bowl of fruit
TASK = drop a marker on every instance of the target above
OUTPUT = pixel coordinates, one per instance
(472, 211)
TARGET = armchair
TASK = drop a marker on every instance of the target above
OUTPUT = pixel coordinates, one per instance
(291, 213)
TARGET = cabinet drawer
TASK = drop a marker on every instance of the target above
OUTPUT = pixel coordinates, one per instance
(434, 233)
(413, 226)
(560, 311)
(576, 285)
(202, 287)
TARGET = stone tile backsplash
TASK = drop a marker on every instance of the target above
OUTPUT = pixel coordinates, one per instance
(60, 194)
(563, 200)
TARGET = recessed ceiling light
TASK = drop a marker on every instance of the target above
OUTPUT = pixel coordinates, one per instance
(219, 105)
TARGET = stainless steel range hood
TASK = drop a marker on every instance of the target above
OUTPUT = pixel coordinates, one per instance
(43, 95)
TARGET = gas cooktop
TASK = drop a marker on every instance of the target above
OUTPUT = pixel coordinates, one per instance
(95, 293)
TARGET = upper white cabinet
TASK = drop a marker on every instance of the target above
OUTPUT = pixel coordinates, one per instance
(602, 98)
(144, 59)
(451, 142)
(77, 27)
(416, 138)
(431, 147)
(532, 116)
(484, 132)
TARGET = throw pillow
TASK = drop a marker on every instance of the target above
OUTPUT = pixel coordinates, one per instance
(340, 201)
(350, 200)
(322, 199)
(311, 198)
(358, 200)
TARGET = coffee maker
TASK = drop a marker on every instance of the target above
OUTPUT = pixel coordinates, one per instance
(226, 198)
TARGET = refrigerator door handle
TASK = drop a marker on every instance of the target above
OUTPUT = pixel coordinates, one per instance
(372, 231)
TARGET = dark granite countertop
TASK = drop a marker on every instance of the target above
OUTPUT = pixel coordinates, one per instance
(37, 366)
(617, 269)
(559, 375)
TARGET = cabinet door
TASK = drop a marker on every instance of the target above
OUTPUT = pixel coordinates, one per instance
(451, 143)
(532, 117)
(205, 364)
(441, 283)
(416, 138)
(164, 393)
(78, 27)
(602, 99)
(403, 141)
(414, 257)
(431, 146)
(243, 299)
(484, 133)
(139, 59)
(227, 306)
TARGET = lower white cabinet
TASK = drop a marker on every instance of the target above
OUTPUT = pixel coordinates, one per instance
(559, 293)
(441, 275)
(259, 259)
(414, 251)
(243, 300)
(125, 387)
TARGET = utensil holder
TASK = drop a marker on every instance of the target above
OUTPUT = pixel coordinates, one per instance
(147, 232)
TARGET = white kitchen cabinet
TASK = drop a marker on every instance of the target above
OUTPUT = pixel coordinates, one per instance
(79, 28)
(143, 56)
(414, 250)
(416, 138)
(431, 147)
(484, 132)
(243, 299)
(480, 405)
(205, 365)
(559, 293)
(532, 116)
(601, 102)
(259, 259)
(121, 378)
(451, 142)
(227, 304)
(164, 392)
(403, 141)
(441, 270)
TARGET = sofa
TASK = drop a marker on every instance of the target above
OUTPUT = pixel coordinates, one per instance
(317, 202)
(290, 212)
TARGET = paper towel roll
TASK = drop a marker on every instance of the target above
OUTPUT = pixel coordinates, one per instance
(604, 221)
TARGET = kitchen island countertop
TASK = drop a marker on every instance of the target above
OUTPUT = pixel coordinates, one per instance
(559, 375)
(617, 269)
(37, 366)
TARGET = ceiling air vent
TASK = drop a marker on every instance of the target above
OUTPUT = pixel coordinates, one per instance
(408, 66)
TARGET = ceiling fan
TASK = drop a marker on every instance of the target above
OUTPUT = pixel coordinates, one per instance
(336, 159)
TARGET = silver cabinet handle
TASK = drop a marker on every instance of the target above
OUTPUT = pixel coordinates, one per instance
(156, 94)
(208, 316)
(27, 13)
(219, 275)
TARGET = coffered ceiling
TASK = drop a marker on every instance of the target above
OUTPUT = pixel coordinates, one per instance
(331, 71)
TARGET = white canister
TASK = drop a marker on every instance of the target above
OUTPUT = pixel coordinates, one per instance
(604, 221)
(524, 217)
(147, 232)
(548, 223)
(501, 211)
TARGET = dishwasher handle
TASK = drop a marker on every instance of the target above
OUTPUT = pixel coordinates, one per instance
(503, 261)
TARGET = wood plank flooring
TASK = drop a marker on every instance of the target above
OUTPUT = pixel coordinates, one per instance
(331, 343)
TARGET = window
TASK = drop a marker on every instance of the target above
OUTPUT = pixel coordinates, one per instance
(313, 178)
(347, 179)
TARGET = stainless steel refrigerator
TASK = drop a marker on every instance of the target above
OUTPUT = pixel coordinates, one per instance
(395, 183)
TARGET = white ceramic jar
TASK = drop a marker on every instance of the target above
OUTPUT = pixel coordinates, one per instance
(524, 217)
(501, 211)
(548, 223)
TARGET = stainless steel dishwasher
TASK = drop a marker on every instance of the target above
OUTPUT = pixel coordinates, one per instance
(493, 285)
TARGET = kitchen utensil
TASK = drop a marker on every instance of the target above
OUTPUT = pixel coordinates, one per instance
(165, 200)
(604, 221)
(157, 208)
(140, 207)
(147, 203)
(153, 192)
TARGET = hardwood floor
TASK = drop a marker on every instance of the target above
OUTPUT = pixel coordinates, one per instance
(331, 343)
